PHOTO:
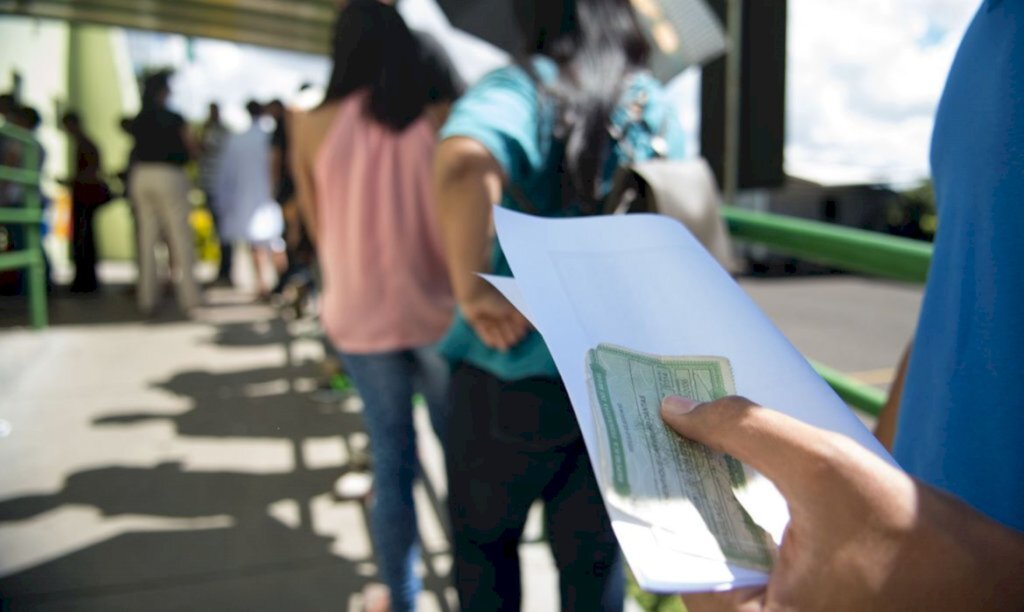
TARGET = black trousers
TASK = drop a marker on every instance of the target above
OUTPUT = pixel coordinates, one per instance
(83, 246)
(511, 443)
(227, 249)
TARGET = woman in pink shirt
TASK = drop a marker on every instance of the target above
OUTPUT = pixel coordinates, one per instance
(362, 164)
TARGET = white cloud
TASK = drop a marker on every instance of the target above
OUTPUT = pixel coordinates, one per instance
(225, 72)
(864, 79)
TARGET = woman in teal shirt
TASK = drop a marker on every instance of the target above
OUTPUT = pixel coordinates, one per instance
(544, 136)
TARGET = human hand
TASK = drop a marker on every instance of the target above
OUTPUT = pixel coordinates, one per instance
(862, 534)
(496, 321)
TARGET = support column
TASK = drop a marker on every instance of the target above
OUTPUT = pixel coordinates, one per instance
(103, 90)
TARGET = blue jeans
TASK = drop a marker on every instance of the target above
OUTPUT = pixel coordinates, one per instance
(386, 382)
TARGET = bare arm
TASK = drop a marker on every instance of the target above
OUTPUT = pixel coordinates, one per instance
(468, 181)
(305, 192)
(885, 430)
(191, 145)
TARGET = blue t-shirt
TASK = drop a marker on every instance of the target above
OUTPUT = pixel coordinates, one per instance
(504, 113)
(962, 416)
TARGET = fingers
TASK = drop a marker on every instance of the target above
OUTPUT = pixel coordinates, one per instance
(498, 324)
(502, 333)
(490, 331)
(782, 448)
(514, 327)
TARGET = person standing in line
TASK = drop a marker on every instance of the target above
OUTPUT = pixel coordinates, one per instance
(8, 104)
(242, 194)
(362, 164)
(159, 191)
(948, 533)
(88, 192)
(211, 142)
(544, 136)
(298, 250)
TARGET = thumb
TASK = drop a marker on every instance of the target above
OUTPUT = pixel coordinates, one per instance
(785, 450)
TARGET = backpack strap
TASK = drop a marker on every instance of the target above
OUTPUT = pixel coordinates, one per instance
(629, 193)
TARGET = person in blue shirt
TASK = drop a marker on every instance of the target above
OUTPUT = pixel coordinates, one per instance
(961, 413)
(544, 136)
(947, 533)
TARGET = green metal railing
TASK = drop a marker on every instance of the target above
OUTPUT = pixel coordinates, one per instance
(29, 214)
(841, 247)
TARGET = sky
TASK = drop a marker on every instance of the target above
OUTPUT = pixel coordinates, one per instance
(863, 81)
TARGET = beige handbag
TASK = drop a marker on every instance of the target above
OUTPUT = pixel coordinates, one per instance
(684, 190)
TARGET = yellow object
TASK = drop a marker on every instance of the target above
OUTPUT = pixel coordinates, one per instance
(207, 245)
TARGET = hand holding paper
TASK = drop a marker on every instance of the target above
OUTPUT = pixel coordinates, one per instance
(651, 474)
(864, 535)
(643, 282)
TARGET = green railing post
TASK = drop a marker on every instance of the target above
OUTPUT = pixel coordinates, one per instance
(841, 247)
(863, 397)
(31, 257)
(34, 244)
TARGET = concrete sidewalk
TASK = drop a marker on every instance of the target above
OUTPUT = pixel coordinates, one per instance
(172, 464)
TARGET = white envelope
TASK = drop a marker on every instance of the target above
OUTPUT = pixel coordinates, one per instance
(644, 282)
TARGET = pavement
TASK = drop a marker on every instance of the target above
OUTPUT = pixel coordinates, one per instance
(163, 464)
(856, 325)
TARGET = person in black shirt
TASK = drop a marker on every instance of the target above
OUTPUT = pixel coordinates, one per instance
(88, 192)
(159, 192)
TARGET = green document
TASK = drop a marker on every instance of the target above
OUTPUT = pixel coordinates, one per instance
(648, 472)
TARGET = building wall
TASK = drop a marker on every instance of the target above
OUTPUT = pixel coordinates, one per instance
(37, 51)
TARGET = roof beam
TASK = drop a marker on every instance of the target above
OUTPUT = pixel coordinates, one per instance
(191, 18)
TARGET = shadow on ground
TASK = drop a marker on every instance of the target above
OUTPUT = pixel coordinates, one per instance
(238, 556)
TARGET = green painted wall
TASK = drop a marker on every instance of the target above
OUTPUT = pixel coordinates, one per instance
(103, 90)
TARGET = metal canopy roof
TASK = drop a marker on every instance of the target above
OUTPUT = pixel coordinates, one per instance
(297, 25)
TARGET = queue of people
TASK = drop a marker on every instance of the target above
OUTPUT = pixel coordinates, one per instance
(250, 199)
(536, 136)
(244, 177)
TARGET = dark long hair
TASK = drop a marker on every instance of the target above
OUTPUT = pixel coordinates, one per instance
(596, 44)
(375, 50)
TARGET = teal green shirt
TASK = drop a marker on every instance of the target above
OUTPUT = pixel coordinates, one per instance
(504, 113)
